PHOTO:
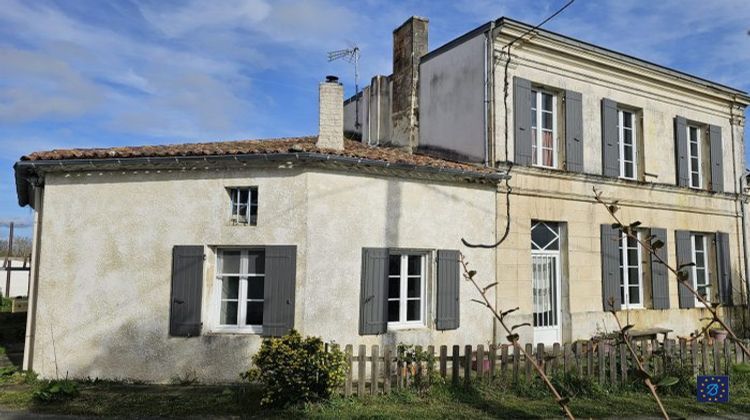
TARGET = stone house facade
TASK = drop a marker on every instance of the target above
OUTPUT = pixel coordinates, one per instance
(158, 261)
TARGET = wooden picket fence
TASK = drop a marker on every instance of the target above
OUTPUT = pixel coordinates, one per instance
(375, 372)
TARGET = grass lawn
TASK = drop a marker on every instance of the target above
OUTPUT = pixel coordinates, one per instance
(442, 401)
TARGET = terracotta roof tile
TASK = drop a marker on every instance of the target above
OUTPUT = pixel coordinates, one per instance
(352, 148)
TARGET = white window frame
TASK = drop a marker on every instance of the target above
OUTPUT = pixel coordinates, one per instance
(538, 140)
(621, 143)
(403, 285)
(705, 268)
(698, 157)
(625, 273)
(242, 299)
(235, 204)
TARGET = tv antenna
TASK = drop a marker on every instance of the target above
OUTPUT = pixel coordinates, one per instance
(351, 55)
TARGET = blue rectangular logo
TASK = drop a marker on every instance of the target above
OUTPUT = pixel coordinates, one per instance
(713, 388)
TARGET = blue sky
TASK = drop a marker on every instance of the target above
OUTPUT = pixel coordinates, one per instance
(90, 73)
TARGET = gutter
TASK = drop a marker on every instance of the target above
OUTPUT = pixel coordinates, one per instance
(26, 169)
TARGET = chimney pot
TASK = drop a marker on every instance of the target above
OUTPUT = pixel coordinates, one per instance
(332, 79)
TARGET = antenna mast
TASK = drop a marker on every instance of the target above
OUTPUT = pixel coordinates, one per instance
(351, 55)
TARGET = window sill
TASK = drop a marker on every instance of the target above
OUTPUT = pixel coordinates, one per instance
(234, 331)
(406, 327)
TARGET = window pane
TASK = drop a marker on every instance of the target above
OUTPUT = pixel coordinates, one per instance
(230, 262)
(533, 122)
(413, 289)
(633, 276)
(228, 314)
(412, 310)
(415, 265)
(627, 136)
(547, 120)
(544, 235)
(634, 297)
(254, 313)
(244, 193)
(394, 265)
(700, 276)
(255, 287)
(700, 259)
(695, 181)
(230, 287)
(546, 102)
(256, 262)
(393, 309)
(694, 165)
(627, 119)
(629, 170)
(698, 240)
(632, 257)
(533, 98)
(693, 149)
(394, 287)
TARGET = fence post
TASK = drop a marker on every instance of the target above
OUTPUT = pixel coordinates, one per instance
(623, 362)
(540, 357)
(683, 352)
(493, 360)
(504, 360)
(567, 359)
(579, 358)
(418, 370)
(529, 355)
(361, 366)
(601, 353)
(612, 365)
(387, 363)
(590, 358)
(516, 361)
(555, 356)
(704, 356)
(467, 365)
(455, 365)
(717, 357)
(375, 371)
(694, 356)
(727, 356)
(480, 362)
(430, 362)
(443, 361)
(349, 371)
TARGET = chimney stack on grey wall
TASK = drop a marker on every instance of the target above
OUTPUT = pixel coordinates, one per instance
(331, 114)
(409, 45)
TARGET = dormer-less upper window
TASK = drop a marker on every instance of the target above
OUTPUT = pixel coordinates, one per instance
(694, 154)
(244, 205)
(627, 143)
(543, 129)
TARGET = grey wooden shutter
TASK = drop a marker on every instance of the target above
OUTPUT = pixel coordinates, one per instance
(278, 289)
(723, 268)
(659, 274)
(717, 158)
(573, 131)
(611, 275)
(610, 139)
(186, 293)
(448, 282)
(685, 256)
(373, 292)
(522, 120)
(681, 152)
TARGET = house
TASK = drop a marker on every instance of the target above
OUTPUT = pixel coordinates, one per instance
(154, 262)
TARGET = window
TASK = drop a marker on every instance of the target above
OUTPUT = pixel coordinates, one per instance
(543, 129)
(694, 153)
(240, 282)
(701, 274)
(627, 144)
(244, 205)
(631, 270)
(406, 289)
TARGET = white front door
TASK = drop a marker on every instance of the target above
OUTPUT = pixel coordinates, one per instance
(545, 277)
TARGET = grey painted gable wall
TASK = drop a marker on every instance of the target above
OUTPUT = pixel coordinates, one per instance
(451, 109)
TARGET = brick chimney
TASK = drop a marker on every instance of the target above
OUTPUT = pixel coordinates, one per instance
(409, 45)
(331, 114)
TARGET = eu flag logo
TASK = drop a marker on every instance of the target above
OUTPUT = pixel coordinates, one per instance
(713, 388)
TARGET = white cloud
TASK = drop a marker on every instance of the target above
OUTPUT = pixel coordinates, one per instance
(198, 14)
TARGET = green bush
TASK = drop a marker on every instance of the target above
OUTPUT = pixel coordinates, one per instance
(293, 370)
(57, 390)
